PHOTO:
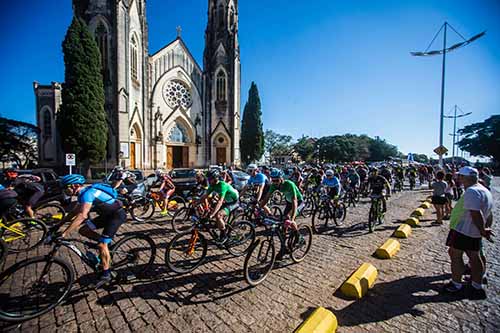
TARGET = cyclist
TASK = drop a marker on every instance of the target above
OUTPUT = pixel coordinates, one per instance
(292, 194)
(343, 177)
(354, 180)
(400, 174)
(377, 184)
(296, 177)
(28, 188)
(226, 204)
(8, 198)
(258, 181)
(102, 199)
(167, 189)
(386, 173)
(332, 184)
(201, 183)
(121, 177)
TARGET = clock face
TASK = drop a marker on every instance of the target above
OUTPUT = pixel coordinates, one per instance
(177, 93)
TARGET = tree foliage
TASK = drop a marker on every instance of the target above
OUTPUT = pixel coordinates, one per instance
(18, 143)
(252, 136)
(277, 144)
(305, 147)
(82, 119)
(483, 138)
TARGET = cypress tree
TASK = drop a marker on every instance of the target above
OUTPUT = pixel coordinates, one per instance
(82, 119)
(252, 135)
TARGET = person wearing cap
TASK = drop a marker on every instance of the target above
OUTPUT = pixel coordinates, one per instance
(257, 181)
(470, 221)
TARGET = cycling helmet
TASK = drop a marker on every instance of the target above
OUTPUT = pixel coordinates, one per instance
(251, 167)
(213, 174)
(11, 173)
(276, 173)
(73, 179)
(329, 172)
(118, 168)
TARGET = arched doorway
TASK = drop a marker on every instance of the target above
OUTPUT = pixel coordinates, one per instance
(221, 144)
(135, 147)
(178, 146)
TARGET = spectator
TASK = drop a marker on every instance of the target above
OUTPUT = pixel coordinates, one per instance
(486, 177)
(470, 221)
(448, 194)
(438, 196)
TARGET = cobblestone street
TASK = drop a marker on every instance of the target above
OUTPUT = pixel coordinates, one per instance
(216, 298)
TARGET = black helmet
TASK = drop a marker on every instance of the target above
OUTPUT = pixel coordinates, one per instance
(213, 174)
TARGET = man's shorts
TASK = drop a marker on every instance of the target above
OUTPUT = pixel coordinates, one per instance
(462, 242)
(438, 200)
(229, 207)
(31, 198)
(6, 204)
(288, 207)
(109, 223)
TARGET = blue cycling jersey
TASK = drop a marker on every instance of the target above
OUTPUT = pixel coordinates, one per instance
(258, 179)
(1, 187)
(331, 182)
(91, 195)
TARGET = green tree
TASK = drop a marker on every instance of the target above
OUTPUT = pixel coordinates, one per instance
(380, 150)
(19, 142)
(305, 147)
(483, 138)
(82, 119)
(252, 136)
(277, 144)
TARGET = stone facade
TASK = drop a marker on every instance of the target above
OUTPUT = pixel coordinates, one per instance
(164, 111)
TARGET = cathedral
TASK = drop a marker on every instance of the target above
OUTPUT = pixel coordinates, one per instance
(163, 109)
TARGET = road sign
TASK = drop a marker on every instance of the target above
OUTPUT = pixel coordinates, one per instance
(441, 150)
(70, 160)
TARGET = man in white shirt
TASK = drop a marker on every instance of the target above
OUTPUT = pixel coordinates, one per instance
(469, 223)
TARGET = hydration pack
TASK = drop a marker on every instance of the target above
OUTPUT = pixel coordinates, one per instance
(108, 189)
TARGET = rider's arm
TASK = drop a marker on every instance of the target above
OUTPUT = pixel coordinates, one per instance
(265, 199)
(217, 207)
(388, 186)
(117, 183)
(82, 214)
(260, 190)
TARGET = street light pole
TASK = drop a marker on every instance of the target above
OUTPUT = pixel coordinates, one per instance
(442, 96)
(455, 116)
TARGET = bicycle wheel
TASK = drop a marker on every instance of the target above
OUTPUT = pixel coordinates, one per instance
(50, 213)
(277, 198)
(340, 213)
(241, 236)
(181, 221)
(174, 204)
(142, 209)
(371, 217)
(308, 209)
(299, 242)
(133, 255)
(186, 252)
(320, 217)
(23, 234)
(259, 261)
(33, 287)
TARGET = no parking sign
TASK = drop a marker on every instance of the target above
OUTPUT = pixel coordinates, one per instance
(70, 161)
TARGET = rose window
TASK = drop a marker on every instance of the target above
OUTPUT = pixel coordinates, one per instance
(176, 93)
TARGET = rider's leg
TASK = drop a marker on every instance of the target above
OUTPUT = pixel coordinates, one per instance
(87, 230)
(29, 211)
(219, 219)
(104, 254)
(384, 204)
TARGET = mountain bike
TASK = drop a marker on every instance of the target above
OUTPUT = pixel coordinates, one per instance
(376, 214)
(261, 257)
(327, 211)
(398, 185)
(187, 250)
(35, 286)
(412, 182)
(351, 197)
(140, 208)
(3, 251)
(175, 202)
(22, 234)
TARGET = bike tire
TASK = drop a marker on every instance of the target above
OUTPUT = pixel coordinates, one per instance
(180, 203)
(21, 267)
(146, 213)
(264, 252)
(3, 251)
(31, 227)
(128, 256)
(319, 220)
(50, 213)
(241, 236)
(308, 209)
(300, 239)
(340, 217)
(178, 246)
(181, 221)
(371, 218)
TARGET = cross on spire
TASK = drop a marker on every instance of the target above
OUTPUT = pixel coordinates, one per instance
(179, 31)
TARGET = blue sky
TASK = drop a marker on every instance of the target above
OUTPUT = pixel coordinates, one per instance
(323, 67)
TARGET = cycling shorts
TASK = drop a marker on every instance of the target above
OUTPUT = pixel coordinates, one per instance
(288, 208)
(109, 223)
(229, 207)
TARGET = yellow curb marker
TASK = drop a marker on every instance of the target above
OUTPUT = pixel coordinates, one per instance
(418, 212)
(425, 205)
(360, 281)
(320, 321)
(388, 249)
(412, 221)
(404, 231)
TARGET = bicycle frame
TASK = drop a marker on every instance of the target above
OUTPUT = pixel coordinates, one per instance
(19, 234)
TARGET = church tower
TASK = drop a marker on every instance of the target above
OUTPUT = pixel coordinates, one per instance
(221, 73)
(121, 32)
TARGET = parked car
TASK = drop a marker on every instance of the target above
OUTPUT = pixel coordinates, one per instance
(49, 180)
(240, 179)
(139, 176)
(184, 180)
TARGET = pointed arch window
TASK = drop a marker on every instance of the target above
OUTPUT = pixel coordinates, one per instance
(134, 59)
(101, 37)
(47, 123)
(221, 86)
(178, 134)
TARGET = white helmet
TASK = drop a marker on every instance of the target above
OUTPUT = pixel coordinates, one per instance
(329, 172)
(251, 167)
(159, 172)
